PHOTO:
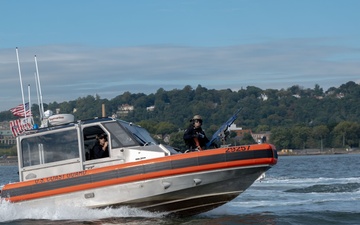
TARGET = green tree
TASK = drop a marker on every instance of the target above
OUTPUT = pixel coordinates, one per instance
(320, 132)
(318, 91)
(149, 125)
(177, 141)
(247, 139)
(347, 132)
(281, 137)
(300, 135)
(165, 128)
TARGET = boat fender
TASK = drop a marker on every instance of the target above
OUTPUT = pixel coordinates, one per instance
(166, 184)
(197, 181)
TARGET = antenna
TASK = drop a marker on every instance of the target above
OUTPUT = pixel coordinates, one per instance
(21, 86)
(29, 99)
(32, 119)
(37, 95)
(39, 86)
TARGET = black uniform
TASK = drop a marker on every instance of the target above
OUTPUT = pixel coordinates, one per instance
(99, 152)
(191, 133)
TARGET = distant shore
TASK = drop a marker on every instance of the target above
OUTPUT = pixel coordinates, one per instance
(8, 161)
(331, 151)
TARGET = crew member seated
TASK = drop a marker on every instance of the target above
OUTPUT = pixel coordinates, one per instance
(100, 149)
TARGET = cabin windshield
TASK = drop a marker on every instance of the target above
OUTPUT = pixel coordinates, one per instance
(47, 148)
(141, 134)
(120, 138)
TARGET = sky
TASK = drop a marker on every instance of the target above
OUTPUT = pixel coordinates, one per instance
(108, 47)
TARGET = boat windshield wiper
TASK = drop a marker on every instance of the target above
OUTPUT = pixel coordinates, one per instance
(145, 143)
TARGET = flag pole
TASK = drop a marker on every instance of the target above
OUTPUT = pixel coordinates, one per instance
(29, 101)
(22, 90)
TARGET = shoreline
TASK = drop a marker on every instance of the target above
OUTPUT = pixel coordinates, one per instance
(301, 152)
(9, 161)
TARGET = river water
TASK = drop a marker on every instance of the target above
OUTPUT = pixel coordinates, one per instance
(322, 189)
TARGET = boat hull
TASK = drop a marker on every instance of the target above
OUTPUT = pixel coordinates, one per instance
(179, 185)
(213, 190)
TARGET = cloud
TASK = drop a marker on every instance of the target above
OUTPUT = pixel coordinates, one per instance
(68, 72)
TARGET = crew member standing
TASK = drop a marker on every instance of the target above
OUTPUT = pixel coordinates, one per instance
(194, 136)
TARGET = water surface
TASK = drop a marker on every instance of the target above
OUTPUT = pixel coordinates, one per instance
(323, 189)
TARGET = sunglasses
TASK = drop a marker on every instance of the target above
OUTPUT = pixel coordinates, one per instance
(198, 121)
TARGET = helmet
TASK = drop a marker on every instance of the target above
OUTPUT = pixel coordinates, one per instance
(197, 117)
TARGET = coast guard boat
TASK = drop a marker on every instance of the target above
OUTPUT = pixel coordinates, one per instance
(55, 168)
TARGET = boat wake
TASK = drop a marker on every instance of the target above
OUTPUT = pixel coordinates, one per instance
(16, 212)
(327, 188)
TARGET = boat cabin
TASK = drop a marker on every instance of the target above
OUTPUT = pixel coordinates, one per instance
(64, 149)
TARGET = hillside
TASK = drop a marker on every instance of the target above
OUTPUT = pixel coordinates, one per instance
(298, 118)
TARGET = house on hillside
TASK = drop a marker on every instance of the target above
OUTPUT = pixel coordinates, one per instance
(150, 108)
(6, 136)
(124, 109)
(238, 130)
(261, 137)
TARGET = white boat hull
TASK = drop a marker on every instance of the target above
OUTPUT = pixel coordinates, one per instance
(182, 195)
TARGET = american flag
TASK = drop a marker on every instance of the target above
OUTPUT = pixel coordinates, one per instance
(19, 126)
(19, 110)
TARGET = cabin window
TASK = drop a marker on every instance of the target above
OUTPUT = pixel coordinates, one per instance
(90, 134)
(50, 148)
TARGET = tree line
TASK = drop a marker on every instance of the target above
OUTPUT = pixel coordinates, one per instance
(297, 117)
